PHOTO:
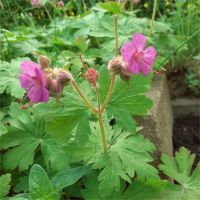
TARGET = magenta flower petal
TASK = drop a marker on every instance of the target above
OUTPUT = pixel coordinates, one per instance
(133, 67)
(139, 60)
(33, 80)
(37, 94)
(139, 41)
(149, 55)
(127, 51)
(25, 81)
(28, 67)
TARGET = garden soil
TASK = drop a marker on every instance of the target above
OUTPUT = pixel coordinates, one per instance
(186, 133)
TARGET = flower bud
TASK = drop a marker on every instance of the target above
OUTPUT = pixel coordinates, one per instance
(125, 75)
(56, 79)
(55, 88)
(44, 61)
(117, 64)
(92, 76)
(64, 77)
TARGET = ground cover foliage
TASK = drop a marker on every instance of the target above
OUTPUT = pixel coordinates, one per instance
(58, 149)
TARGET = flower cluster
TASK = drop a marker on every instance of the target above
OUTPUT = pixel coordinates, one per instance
(134, 58)
(40, 81)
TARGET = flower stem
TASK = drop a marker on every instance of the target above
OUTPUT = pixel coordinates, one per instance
(153, 17)
(103, 135)
(85, 100)
(116, 35)
(112, 83)
(100, 120)
(49, 15)
(183, 43)
(98, 98)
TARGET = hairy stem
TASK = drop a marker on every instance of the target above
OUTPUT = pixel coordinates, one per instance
(103, 135)
(100, 120)
(153, 17)
(98, 98)
(49, 15)
(85, 100)
(112, 83)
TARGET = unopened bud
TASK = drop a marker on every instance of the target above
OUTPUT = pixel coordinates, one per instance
(92, 76)
(117, 64)
(55, 88)
(44, 61)
(64, 77)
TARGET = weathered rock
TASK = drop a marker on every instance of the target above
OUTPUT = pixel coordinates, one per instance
(158, 125)
(183, 107)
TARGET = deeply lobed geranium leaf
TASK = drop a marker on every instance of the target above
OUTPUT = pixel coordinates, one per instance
(26, 135)
(9, 81)
(127, 155)
(131, 96)
(180, 169)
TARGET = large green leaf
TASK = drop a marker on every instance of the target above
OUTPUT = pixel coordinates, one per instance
(131, 96)
(40, 186)
(24, 137)
(62, 126)
(4, 185)
(9, 82)
(128, 154)
(180, 169)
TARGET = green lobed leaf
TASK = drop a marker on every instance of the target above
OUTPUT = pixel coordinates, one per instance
(131, 97)
(9, 81)
(180, 169)
(4, 185)
(128, 154)
(24, 137)
(40, 186)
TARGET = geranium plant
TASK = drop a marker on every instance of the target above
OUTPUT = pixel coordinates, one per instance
(75, 136)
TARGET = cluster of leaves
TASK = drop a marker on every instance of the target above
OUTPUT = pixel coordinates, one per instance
(91, 34)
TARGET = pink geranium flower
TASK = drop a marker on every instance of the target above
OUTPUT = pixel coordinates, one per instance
(32, 79)
(139, 59)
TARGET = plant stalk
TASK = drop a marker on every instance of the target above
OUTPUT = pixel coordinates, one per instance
(103, 135)
(183, 43)
(85, 100)
(153, 17)
(112, 83)
(116, 35)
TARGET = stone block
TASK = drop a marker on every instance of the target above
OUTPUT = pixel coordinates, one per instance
(158, 124)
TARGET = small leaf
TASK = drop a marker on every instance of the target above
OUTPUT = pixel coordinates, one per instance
(4, 185)
(112, 7)
(40, 186)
